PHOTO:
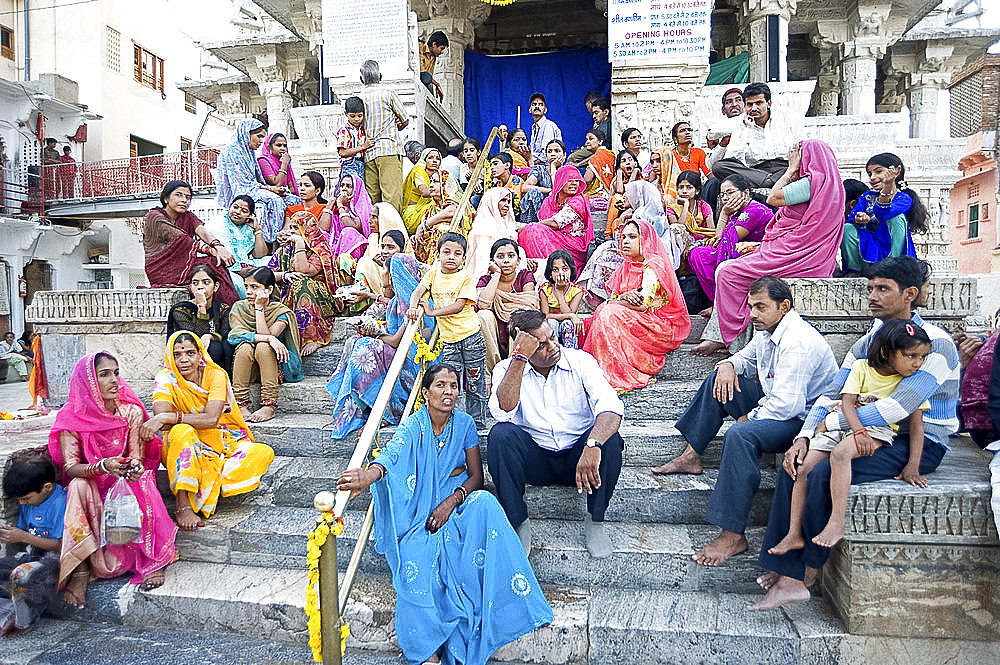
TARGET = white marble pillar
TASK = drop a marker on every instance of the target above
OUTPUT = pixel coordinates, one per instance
(826, 98)
(757, 13)
(279, 104)
(923, 102)
(858, 74)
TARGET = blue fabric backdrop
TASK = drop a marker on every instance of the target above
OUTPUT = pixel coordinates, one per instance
(495, 85)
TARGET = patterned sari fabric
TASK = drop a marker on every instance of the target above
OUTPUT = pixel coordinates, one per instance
(425, 245)
(98, 433)
(705, 259)
(239, 240)
(572, 214)
(365, 361)
(630, 345)
(243, 322)
(312, 298)
(211, 462)
(489, 227)
(467, 589)
(345, 239)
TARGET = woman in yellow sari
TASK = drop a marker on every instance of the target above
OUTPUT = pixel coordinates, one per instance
(417, 185)
(431, 219)
(207, 449)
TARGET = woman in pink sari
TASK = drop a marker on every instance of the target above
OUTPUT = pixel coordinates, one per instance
(96, 440)
(645, 316)
(276, 163)
(563, 220)
(350, 217)
(802, 240)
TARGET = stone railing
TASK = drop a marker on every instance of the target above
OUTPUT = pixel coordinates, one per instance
(130, 325)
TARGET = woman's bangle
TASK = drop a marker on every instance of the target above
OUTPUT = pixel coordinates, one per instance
(215, 243)
(258, 309)
(465, 494)
(299, 250)
(102, 466)
(379, 468)
(860, 431)
(180, 417)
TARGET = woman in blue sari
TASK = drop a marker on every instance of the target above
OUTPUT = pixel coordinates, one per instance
(365, 359)
(463, 583)
(238, 172)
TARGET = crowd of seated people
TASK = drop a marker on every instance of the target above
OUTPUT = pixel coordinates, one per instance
(520, 283)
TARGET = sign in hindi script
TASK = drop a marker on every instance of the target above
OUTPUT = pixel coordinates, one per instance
(359, 30)
(660, 30)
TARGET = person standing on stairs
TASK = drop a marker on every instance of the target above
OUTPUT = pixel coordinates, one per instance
(767, 387)
(895, 287)
(557, 424)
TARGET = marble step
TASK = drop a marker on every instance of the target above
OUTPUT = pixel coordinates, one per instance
(639, 496)
(653, 555)
(664, 400)
(647, 442)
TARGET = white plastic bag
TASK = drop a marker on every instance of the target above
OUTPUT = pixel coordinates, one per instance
(121, 522)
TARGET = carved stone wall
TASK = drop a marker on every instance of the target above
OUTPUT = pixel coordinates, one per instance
(131, 325)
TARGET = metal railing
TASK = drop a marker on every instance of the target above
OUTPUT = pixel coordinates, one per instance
(332, 600)
(21, 193)
(132, 176)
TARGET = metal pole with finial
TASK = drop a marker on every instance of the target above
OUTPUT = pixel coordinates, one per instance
(329, 601)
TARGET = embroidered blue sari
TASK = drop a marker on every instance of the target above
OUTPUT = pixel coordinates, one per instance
(468, 587)
(364, 362)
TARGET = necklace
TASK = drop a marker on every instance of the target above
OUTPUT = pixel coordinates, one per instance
(440, 439)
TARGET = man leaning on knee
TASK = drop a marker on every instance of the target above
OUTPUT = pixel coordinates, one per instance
(557, 424)
(767, 387)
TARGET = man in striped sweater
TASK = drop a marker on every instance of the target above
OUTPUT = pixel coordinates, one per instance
(895, 287)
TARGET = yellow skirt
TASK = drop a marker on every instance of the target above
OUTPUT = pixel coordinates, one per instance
(206, 473)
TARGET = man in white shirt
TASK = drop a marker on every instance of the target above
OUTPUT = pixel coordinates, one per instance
(767, 387)
(451, 163)
(758, 143)
(10, 356)
(557, 424)
(543, 130)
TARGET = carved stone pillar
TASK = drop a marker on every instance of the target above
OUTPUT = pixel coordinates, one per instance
(273, 70)
(458, 20)
(858, 85)
(926, 68)
(922, 98)
(761, 47)
(279, 104)
(866, 43)
(826, 98)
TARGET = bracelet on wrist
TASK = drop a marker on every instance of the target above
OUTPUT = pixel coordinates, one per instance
(102, 465)
(519, 356)
(258, 309)
(463, 492)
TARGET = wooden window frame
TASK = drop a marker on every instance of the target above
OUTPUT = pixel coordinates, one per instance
(973, 223)
(8, 51)
(155, 79)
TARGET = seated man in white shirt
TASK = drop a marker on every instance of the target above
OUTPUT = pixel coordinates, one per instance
(767, 387)
(758, 143)
(557, 424)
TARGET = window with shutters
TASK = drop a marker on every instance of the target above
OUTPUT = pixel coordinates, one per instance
(974, 221)
(148, 68)
(6, 42)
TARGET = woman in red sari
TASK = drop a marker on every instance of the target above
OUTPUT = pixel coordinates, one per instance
(563, 220)
(175, 239)
(645, 316)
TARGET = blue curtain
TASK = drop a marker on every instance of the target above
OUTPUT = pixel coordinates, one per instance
(495, 85)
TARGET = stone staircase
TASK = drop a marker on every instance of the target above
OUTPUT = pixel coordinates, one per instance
(244, 573)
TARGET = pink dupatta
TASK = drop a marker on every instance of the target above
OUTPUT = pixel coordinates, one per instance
(344, 239)
(270, 165)
(539, 240)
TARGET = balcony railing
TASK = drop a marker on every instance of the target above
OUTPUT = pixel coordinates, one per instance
(130, 177)
(20, 193)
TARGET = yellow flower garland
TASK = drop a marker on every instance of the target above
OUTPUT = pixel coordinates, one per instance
(499, 3)
(425, 352)
(326, 525)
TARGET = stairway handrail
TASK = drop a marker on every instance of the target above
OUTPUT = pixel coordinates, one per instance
(328, 567)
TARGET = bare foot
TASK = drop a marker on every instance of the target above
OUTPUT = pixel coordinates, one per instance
(261, 415)
(76, 589)
(767, 580)
(787, 544)
(719, 550)
(708, 347)
(707, 312)
(154, 580)
(433, 659)
(187, 520)
(831, 535)
(310, 348)
(687, 462)
(785, 590)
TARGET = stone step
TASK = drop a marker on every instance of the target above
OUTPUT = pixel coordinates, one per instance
(647, 442)
(650, 555)
(639, 496)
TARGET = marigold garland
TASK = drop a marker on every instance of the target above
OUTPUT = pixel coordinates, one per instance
(424, 351)
(326, 524)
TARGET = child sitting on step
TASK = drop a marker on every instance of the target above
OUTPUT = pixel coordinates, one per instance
(561, 298)
(897, 351)
(32, 573)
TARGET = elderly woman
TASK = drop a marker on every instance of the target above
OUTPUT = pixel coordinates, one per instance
(741, 219)
(174, 240)
(367, 355)
(645, 317)
(238, 172)
(463, 583)
(802, 240)
(97, 438)
(208, 449)
(309, 275)
(520, 152)
(502, 291)
(494, 220)
(538, 184)
(564, 220)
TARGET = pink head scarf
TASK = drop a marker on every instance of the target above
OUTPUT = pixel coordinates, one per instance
(346, 240)
(102, 433)
(823, 213)
(270, 165)
(578, 202)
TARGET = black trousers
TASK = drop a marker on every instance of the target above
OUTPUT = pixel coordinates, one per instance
(515, 460)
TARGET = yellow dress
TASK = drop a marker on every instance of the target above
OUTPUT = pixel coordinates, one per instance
(208, 463)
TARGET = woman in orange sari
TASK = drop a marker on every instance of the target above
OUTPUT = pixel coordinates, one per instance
(663, 172)
(645, 317)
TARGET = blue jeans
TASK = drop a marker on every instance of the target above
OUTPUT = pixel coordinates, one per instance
(468, 357)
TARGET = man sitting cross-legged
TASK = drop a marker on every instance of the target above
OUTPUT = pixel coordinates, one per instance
(767, 387)
(557, 424)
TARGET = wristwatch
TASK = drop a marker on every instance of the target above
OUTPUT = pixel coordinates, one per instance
(593, 443)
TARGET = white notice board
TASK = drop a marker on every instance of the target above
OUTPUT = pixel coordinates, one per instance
(659, 30)
(359, 30)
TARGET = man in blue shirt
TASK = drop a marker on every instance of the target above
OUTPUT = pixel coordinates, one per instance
(543, 130)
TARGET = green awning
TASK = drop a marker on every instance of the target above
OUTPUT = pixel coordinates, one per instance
(731, 70)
